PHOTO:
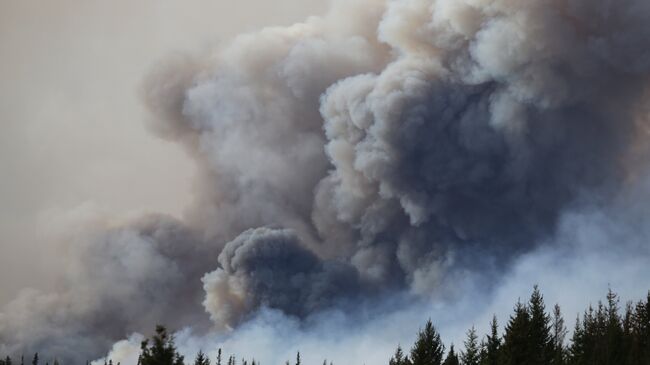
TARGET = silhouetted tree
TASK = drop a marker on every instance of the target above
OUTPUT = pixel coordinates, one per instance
(452, 358)
(490, 351)
(399, 358)
(428, 348)
(201, 359)
(162, 351)
(559, 334)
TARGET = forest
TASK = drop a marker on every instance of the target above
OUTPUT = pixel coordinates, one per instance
(608, 333)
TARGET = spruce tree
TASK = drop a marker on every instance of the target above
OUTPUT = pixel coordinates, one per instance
(162, 351)
(219, 356)
(471, 354)
(398, 358)
(516, 338)
(492, 345)
(540, 344)
(559, 334)
(201, 359)
(452, 358)
(428, 348)
(35, 359)
(614, 331)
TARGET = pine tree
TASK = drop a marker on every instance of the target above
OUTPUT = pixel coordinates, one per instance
(219, 356)
(8, 361)
(614, 331)
(35, 359)
(201, 359)
(162, 351)
(398, 358)
(298, 358)
(492, 345)
(452, 358)
(471, 354)
(540, 345)
(516, 338)
(428, 348)
(559, 334)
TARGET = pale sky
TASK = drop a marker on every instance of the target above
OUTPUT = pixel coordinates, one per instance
(72, 133)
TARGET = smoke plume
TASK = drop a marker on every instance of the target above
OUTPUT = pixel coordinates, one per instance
(411, 150)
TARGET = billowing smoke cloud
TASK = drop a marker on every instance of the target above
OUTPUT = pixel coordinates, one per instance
(388, 148)
(270, 267)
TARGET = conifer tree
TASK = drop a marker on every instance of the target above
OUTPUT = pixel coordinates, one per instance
(162, 351)
(298, 358)
(8, 361)
(398, 358)
(201, 359)
(516, 337)
(559, 334)
(492, 345)
(35, 359)
(452, 358)
(219, 356)
(428, 348)
(540, 344)
(471, 354)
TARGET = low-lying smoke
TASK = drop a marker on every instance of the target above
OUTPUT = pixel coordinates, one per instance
(386, 147)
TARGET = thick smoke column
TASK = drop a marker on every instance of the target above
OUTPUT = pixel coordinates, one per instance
(382, 148)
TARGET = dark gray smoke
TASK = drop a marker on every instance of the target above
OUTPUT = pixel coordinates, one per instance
(266, 267)
(395, 144)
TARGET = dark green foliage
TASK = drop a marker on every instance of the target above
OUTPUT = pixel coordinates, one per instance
(161, 352)
(540, 341)
(452, 358)
(471, 354)
(428, 348)
(399, 358)
(490, 352)
(201, 359)
(559, 354)
(516, 337)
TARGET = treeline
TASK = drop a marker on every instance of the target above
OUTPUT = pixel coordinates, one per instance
(533, 336)
(603, 335)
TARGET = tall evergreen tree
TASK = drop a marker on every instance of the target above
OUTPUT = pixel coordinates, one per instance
(35, 359)
(471, 354)
(398, 358)
(559, 334)
(614, 331)
(540, 341)
(516, 338)
(201, 359)
(162, 351)
(428, 348)
(490, 352)
(452, 358)
(219, 356)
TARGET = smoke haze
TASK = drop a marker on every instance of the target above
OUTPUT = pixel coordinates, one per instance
(381, 163)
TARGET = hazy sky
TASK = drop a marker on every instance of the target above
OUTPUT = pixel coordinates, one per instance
(72, 135)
